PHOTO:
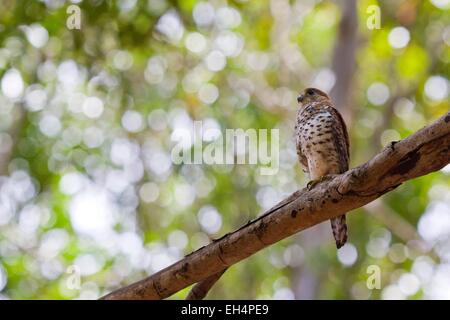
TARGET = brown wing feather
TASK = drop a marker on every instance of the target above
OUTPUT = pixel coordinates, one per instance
(341, 142)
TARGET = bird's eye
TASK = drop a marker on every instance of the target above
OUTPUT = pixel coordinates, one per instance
(310, 92)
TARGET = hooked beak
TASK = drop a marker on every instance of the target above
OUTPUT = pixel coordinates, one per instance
(300, 98)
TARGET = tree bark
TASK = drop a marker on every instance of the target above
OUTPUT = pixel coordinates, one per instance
(425, 151)
(344, 62)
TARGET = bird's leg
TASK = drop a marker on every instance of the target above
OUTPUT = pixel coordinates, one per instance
(311, 184)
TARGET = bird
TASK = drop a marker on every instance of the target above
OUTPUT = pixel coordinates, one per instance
(322, 145)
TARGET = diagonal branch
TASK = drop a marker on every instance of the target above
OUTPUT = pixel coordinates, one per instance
(425, 151)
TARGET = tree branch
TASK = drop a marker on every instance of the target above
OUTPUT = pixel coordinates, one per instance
(423, 152)
(200, 290)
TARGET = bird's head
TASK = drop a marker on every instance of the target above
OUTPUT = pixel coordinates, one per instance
(310, 95)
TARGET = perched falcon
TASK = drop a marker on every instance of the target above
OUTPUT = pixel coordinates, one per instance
(322, 145)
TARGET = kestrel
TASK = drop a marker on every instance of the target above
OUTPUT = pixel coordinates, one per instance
(322, 145)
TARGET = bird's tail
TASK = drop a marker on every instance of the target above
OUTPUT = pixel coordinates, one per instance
(339, 227)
